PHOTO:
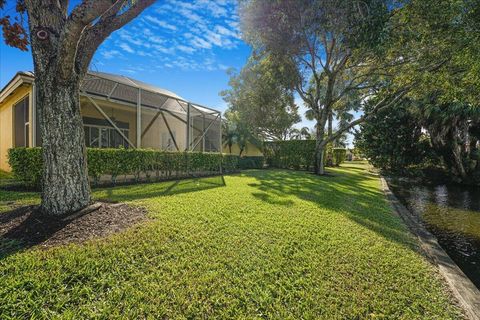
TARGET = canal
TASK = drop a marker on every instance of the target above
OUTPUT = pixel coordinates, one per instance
(452, 214)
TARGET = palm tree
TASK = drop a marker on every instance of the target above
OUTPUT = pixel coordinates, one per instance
(236, 131)
(305, 133)
(300, 134)
(229, 135)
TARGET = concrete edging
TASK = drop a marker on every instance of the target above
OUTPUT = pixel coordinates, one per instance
(461, 286)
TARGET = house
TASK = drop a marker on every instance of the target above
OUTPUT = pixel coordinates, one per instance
(117, 111)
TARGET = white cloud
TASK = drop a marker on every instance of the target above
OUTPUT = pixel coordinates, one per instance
(126, 48)
(186, 49)
(161, 23)
(110, 54)
(144, 54)
(193, 17)
(177, 29)
(223, 67)
(156, 39)
(226, 32)
(163, 49)
(198, 42)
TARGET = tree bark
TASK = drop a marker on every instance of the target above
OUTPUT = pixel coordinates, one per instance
(65, 186)
(319, 168)
(330, 123)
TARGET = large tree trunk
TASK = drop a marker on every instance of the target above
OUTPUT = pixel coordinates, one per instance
(319, 151)
(319, 159)
(63, 42)
(330, 123)
(65, 186)
(329, 160)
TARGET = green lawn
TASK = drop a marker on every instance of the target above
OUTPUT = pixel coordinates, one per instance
(262, 244)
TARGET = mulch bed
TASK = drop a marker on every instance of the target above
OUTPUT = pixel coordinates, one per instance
(30, 228)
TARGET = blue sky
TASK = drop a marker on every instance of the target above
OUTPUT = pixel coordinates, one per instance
(184, 46)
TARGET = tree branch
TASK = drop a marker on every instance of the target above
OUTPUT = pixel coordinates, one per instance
(378, 107)
(94, 35)
(63, 5)
(82, 16)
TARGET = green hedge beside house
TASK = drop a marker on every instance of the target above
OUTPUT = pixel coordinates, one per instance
(251, 162)
(290, 154)
(298, 154)
(138, 164)
(339, 155)
(135, 165)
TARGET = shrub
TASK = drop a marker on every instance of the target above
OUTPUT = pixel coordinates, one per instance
(291, 154)
(339, 155)
(251, 162)
(230, 162)
(26, 164)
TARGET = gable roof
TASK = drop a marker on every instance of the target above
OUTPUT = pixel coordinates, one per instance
(20, 78)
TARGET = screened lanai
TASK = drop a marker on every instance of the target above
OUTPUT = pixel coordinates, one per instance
(120, 111)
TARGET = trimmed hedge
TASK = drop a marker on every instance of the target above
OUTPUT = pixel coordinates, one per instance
(291, 154)
(251, 162)
(339, 155)
(26, 165)
(141, 164)
(299, 154)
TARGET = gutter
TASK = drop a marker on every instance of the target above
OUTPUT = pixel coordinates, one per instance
(19, 79)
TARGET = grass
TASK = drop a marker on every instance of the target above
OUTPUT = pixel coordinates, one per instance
(261, 244)
(5, 175)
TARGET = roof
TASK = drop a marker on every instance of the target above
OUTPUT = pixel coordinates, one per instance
(134, 83)
(19, 79)
(117, 87)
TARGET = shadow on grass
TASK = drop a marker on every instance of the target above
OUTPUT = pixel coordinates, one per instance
(24, 227)
(346, 192)
(272, 200)
(152, 190)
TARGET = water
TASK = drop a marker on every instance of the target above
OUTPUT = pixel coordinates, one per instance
(452, 214)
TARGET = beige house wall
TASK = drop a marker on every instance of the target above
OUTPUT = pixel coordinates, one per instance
(156, 135)
(250, 150)
(7, 137)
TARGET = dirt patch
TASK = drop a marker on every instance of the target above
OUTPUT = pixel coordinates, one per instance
(27, 227)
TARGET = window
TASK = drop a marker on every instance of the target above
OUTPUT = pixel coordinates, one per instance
(21, 122)
(100, 134)
(104, 137)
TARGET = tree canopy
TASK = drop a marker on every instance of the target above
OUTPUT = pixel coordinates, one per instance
(331, 51)
(260, 99)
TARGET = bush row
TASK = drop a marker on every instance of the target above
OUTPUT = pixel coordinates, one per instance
(339, 155)
(142, 164)
(251, 162)
(290, 154)
(299, 154)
